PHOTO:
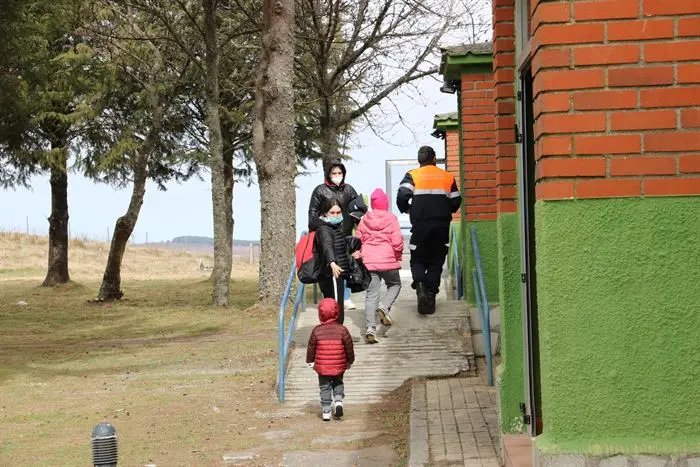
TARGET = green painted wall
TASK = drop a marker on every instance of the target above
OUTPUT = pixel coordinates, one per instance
(511, 370)
(619, 325)
(487, 236)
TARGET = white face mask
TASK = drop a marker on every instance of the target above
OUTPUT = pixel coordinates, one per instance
(337, 179)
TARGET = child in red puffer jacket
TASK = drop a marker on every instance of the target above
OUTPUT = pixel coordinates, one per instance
(331, 352)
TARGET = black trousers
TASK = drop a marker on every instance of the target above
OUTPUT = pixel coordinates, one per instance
(334, 288)
(429, 246)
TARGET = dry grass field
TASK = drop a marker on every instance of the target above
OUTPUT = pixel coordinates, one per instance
(25, 257)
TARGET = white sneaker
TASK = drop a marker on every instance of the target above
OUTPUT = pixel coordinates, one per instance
(326, 415)
(383, 315)
(349, 305)
(338, 409)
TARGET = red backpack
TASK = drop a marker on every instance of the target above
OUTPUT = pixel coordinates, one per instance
(308, 267)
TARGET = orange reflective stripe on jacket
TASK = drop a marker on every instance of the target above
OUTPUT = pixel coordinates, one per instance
(431, 180)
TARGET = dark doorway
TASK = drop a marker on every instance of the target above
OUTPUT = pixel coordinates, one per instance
(532, 409)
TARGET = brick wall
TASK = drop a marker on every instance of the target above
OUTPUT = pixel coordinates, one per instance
(479, 139)
(504, 104)
(452, 157)
(617, 97)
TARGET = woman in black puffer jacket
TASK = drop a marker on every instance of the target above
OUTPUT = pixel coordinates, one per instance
(332, 251)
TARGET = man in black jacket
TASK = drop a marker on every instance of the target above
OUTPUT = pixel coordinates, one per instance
(430, 195)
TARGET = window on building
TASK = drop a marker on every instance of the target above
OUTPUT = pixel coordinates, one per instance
(523, 25)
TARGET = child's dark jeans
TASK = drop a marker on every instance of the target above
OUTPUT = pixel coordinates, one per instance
(332, 388)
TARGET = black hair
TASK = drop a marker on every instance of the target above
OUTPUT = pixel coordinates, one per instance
(426, 155)
(327, 204)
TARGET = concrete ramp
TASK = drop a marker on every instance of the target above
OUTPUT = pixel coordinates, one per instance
(415, 346)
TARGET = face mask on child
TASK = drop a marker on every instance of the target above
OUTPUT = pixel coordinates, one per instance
(337, 179)
(333, 220)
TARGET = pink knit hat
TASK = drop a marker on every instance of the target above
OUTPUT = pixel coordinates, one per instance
(378, 200)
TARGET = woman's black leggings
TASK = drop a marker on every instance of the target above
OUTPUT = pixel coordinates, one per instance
(334, 288)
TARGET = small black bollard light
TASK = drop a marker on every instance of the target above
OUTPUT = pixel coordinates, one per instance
(104, 445)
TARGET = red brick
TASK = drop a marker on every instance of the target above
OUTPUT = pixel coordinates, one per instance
(503, 14)
(608, 144)
(506, 206)
(505, 107)
(607, 9)
(690, 118)
(555, 146)
(504, 75)
(505, 136)
(505, 122)
(505, 91)
(504, 60)
(550, 13)
(653, 120)
(640, 30)
(506, 178)
(552, 102)
(504, 30)
(506, 3)
(620, 166)
(551, 58)
(507, 192)
(673, 97)
(606, 54)
(670, 7)
(563, 80)
(641, 76)
(607, 188)
(571, 167)
(554, 190)
(504, 164)
(672, 186)
(599, 100)
(478, 135)
(676, 51)
(688, 73)
(568, 34)
(689, 27)
(577, 123)
(690, 164)
(672, 141)
(503, 45)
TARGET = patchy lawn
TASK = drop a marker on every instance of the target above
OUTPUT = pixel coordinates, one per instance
(183, 383)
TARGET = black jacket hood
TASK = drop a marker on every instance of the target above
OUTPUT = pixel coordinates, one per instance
(329, 167)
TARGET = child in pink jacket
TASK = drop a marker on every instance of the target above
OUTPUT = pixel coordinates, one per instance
(382, 247)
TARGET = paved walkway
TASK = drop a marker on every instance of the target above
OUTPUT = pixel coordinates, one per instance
(453, 422)
(415, 346)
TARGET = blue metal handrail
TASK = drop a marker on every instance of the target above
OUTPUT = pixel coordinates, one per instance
(284, 342)
(483, 304)
(455, 264)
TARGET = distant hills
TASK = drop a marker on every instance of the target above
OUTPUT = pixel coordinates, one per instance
(209, 241)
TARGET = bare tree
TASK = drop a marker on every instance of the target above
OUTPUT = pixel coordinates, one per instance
(273, 145)
(362, 51)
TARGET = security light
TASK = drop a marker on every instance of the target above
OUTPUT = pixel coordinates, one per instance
(448, 87)
(438, 133)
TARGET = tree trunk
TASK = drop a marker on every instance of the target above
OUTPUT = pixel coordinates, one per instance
(221, 205)
(124, 227)
(58, 221)
(273, 146)
(328, 142)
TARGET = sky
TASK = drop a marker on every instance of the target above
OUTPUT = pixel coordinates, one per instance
(185, 209)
